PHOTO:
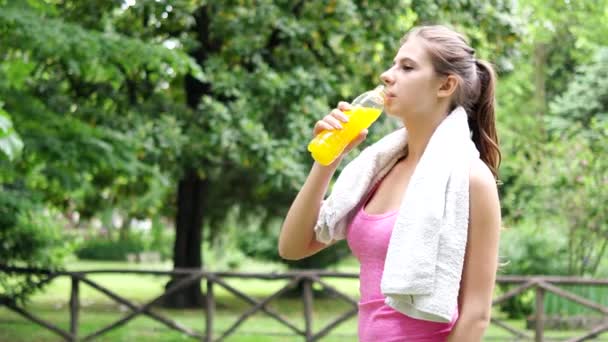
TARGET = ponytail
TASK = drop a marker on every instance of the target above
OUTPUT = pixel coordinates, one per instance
(482, 120)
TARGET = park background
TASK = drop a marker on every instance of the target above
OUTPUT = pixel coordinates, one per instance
(157, 134)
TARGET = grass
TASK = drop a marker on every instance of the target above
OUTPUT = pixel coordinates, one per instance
(98, 310)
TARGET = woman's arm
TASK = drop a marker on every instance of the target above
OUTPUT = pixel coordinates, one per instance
(297, 240)
(481, 257)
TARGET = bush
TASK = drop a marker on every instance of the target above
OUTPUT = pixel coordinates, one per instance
(161, 239)
(31, 236)
(262, 244)
(109, 248)
(531, 248)
(114, 245)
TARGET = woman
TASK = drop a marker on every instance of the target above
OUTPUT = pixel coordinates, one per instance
(434, 71)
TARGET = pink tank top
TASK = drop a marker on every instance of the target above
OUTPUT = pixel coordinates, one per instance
(368, 238)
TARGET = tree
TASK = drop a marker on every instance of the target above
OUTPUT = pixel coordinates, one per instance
(87, 143)
(83, 101)
(539, 170)
(579, 127)
(560, 38)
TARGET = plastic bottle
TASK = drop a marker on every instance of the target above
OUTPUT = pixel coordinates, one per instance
(326, 146)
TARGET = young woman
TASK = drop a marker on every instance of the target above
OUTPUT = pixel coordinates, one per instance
(434, 71)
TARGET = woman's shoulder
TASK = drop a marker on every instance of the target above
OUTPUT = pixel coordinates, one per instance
(481, 178)
(484, 204)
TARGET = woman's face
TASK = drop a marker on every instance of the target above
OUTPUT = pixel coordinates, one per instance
(411, 83)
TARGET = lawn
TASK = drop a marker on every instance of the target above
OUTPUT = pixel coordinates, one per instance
(98, 310)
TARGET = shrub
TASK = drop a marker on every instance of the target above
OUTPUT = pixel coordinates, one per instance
(30, 236)
(109, 248)
(530, 248)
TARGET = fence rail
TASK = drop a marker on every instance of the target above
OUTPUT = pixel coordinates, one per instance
(540, 284)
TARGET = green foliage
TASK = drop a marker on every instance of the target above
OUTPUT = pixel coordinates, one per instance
(530, 248)
(10, 142)
(568, 200)
(585, 98)
(570, 32)
(96, 129)
(543, 247)
(116, 244)
(94, 56)
(551, 172)
(574, 191)
(556, 180)
(553, 175)
(260, 242)
(106, 248)
(161, 239)
(96, 89)
(31, 236)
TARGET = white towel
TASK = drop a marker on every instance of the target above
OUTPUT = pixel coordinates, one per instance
(425, 256)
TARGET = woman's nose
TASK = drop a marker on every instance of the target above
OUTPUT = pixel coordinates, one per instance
(386, 77)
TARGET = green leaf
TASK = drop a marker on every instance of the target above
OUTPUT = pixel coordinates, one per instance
(11, 146)
(10, 142)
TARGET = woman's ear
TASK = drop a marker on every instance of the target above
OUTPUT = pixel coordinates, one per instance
(447, 86)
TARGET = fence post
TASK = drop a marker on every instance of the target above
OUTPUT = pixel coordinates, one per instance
(540, 313)
(210, 309)
(74, 307)
(307, 297)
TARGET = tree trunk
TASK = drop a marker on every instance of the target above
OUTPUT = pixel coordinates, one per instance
(191, 194)
(192, 189)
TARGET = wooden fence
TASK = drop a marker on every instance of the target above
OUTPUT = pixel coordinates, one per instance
(540, 284)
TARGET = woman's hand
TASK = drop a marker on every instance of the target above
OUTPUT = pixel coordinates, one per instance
(333, 121)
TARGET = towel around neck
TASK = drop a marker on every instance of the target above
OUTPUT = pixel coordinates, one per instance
(425, 256)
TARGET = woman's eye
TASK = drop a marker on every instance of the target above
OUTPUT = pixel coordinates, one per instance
(406, 67)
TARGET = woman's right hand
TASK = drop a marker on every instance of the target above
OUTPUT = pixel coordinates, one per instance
(333, 120)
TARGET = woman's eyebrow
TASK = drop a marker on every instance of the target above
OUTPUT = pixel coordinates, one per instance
(406, 59)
